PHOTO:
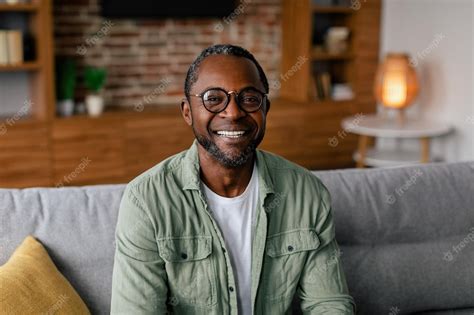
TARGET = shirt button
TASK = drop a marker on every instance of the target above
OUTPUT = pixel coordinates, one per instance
(290, 248)
(184, 255)
(223, 249)
(231, 289)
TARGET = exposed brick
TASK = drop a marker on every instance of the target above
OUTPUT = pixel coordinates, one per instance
(140, 53)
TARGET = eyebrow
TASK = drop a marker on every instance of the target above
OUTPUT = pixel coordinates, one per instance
(219, 87)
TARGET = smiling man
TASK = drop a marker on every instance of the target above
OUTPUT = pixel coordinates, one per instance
(225, 228)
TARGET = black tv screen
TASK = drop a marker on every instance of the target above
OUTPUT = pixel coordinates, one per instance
(167, 9)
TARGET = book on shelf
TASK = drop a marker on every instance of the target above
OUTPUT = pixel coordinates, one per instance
(3, 48)
(14, 1)
(313, 91)
(11, 47)
(326, 83)
(321, 86)
(15, 46)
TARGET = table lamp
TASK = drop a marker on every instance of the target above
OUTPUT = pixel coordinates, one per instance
(396, 83)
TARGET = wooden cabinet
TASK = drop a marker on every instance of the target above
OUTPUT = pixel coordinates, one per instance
(301, 133)
(25, 158)
(153, 139)
(88, 151)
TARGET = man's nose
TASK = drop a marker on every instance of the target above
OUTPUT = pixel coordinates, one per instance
(233, 110)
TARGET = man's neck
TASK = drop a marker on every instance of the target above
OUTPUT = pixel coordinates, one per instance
(224, 181)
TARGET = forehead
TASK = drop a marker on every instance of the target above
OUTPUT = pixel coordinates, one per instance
(228, 72)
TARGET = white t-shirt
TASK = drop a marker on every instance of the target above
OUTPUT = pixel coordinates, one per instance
(236, 218)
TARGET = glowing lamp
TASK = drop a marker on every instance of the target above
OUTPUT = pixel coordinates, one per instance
(396, 84)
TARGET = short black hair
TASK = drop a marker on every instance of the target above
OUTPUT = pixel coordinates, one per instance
(227, 49)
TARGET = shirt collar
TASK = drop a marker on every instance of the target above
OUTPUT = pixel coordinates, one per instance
(191, 178)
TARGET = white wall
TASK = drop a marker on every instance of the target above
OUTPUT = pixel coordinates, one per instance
(439, 34)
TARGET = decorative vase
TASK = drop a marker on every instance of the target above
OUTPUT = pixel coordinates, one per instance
(66, 108)
(94, 104)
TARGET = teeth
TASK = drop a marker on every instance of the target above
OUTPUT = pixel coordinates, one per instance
(230, 134)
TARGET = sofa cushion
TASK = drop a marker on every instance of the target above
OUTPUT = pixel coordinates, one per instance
(31, 284)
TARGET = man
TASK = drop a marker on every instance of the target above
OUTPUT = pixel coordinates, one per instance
(224, 228)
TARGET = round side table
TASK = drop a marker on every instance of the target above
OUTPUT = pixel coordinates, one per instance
(367, 126)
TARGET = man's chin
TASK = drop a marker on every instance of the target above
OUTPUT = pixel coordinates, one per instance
(228, 154)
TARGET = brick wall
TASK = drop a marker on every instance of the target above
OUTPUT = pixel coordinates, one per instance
(147, 59)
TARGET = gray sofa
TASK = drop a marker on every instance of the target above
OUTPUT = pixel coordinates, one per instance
(406, 235)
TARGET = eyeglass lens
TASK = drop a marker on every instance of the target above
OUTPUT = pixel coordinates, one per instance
(215, 100)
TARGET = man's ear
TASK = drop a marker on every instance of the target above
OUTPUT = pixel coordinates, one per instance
(186, 111)
(267, 106)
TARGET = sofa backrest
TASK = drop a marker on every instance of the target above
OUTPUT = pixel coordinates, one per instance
(396, 228)
(76, 225)
(406, 236)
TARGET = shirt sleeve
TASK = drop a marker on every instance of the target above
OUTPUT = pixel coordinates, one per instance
(322, 288)
(139, 284)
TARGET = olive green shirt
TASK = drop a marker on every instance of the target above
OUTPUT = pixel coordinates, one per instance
(171, 256)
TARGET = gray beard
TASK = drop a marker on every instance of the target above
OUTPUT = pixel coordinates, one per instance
(224, 159)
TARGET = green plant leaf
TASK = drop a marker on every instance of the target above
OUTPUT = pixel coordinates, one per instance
(94, 78)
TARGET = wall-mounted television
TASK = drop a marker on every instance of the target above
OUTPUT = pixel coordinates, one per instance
(167, 9)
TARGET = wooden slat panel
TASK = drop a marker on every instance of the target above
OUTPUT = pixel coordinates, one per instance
(88, 151)
(24, 155)
(151, 140)
(296, 19)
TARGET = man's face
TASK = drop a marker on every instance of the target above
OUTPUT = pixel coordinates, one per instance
(231, 74)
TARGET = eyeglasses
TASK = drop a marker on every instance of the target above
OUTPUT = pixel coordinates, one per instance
(215, 100)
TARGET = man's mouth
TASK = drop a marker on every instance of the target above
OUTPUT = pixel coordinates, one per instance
(234, 134)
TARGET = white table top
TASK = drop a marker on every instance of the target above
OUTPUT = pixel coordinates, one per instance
(377, 126)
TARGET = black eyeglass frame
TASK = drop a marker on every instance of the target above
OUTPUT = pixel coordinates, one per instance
(228, 94)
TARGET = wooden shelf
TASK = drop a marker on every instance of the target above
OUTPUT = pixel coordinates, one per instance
(323, 56)
(12, 120)
(26, 66)
(19, 7)
(116, 112)
(332, 9)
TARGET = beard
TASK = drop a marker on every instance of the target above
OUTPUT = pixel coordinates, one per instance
(227, 159)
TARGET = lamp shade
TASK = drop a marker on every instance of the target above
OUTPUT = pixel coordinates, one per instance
(396, 83)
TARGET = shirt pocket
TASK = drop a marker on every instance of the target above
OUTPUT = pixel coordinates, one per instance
(285, 257)
(189, 268)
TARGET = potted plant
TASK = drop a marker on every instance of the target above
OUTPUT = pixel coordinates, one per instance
(66, 85)
(94, 80)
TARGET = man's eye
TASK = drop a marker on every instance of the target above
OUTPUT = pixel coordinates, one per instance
(213, 100)
(251, 99)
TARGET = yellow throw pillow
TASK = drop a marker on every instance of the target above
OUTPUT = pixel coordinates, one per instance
(30, 283)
